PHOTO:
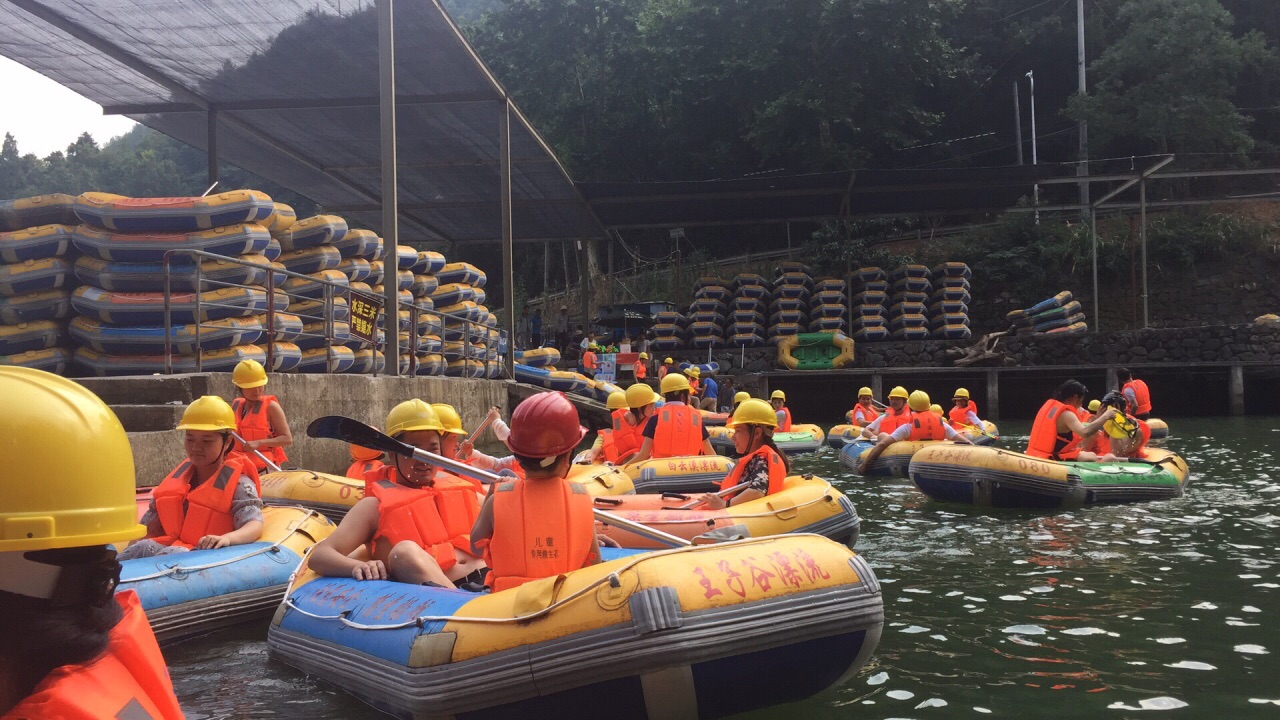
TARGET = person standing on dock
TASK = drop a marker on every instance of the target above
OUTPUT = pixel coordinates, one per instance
(865, 413)
(74, 648)
(710, 393)
(1058, 434)
(414, 533)
(1136, 392)
(535, 329)
(542, 525)
(676, 429)
(964, 411)
(641, 367)
(259, 418)
(562, 327)
(522, 329)
(894, 416)
(924, 424)
(212, 499)
(590, 361)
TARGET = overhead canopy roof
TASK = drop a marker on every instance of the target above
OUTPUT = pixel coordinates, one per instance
(294, 84)
(816, 196)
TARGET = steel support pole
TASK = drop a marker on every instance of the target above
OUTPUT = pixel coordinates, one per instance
(504, 194)
(390, 209)
(1082, 167)
(609, 272)
(1093, 234)
(1035, 152)
(1017, 121)
(546, 269)
(584, 272)
(1142, 213)
(211, 144)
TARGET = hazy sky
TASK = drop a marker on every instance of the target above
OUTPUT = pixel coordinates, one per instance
(50, 117)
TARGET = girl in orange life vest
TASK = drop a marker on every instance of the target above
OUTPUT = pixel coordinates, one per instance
(642, 367)
(72, 649)
(400, 517)
(865, 413)
(761, 466)
(540, 526)
(259, 418)
(779, 401)
(363, 460)
(675, 430)
(1057, 433)
(963, 411)
(895, 415)
(605, 440)
(924, 425)
(211, 500)
(1136, 393)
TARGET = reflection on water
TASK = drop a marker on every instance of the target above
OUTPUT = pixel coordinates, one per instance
(1100, 611)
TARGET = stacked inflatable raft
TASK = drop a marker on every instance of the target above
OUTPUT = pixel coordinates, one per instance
(709, 313)
(747, 311)
(789, 306)
(949, 302)
(673, 631)
(1058, 315)
(870, 305)
(669, 332)
(36, 256)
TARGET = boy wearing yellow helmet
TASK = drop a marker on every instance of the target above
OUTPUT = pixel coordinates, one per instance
(677, 428)
(73, 646)
(964, 411)
(894, 416)
(761, 467)
(865, 413)
(259, 418)
(925, 424)
(778, 400)
(212, 499)
(417, 532)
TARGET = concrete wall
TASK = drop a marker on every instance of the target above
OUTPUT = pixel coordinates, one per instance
(307, 397)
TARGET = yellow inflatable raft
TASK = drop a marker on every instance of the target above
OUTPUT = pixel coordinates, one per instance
(807, 504)
(672, 634)
(684, 474)
(896, 458)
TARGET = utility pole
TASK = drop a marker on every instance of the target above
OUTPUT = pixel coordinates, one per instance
(1035, 154)
(1082, 166)
(1017, 120)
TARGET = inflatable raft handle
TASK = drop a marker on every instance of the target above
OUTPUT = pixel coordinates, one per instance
(350, 430)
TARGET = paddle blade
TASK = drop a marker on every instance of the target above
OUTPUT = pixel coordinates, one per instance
(337, 427)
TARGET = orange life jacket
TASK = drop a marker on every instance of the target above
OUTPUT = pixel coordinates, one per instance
(187, 514)
(541, 528)
(927, 426)
(893, 419)
(662, 371)
(1143, 395)
(679, 431)
(1099, 444)
(641, 371)
(784, 422)
(589, 360)
(869, 414)
(459, 506)
(1046, 441)
(358, 469)
(406, 513)
(252, 423)
(960, 415)
(623, 440)
(777, 471)
(128, 681)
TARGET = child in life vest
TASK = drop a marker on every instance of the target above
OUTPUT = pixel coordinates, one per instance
(542, 525)
(761, 467)
(260, 419)
(923, 425)
(212, 499)
(417, 531)
(74, 647)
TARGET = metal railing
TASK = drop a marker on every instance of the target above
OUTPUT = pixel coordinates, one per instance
(333, 302)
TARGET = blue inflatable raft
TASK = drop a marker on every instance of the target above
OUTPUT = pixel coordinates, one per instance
(231, 241)
(172, 215)
(47, 305)
(149, 277)
(33, 276)
(104, 365)
(148, 308)
(35, 243)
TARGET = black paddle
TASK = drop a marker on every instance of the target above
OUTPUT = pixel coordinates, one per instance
(350, 430)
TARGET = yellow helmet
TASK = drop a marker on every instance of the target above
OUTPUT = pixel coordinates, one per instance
(865, 392)
(1121, 426)
(1095, 406)
(741, 397)
(693, 372)
(249, 374)
(898, 392)
(778, 395)
(210, 413)
(644, 356)
(640, 395)
(936, 409)
(754, 412)
(674, 382)
(961, 393)
(450, 420)
(918, 401)
(57, 431)
(617, 400)
(668, 361)
(412, 415)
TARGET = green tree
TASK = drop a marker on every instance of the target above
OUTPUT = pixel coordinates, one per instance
(1167, 83)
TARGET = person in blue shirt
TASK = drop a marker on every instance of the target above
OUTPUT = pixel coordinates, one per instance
(710, 395)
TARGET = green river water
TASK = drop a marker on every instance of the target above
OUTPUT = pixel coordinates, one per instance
(1098, 612)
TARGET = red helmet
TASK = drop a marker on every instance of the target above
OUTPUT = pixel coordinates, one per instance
(545, 426)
